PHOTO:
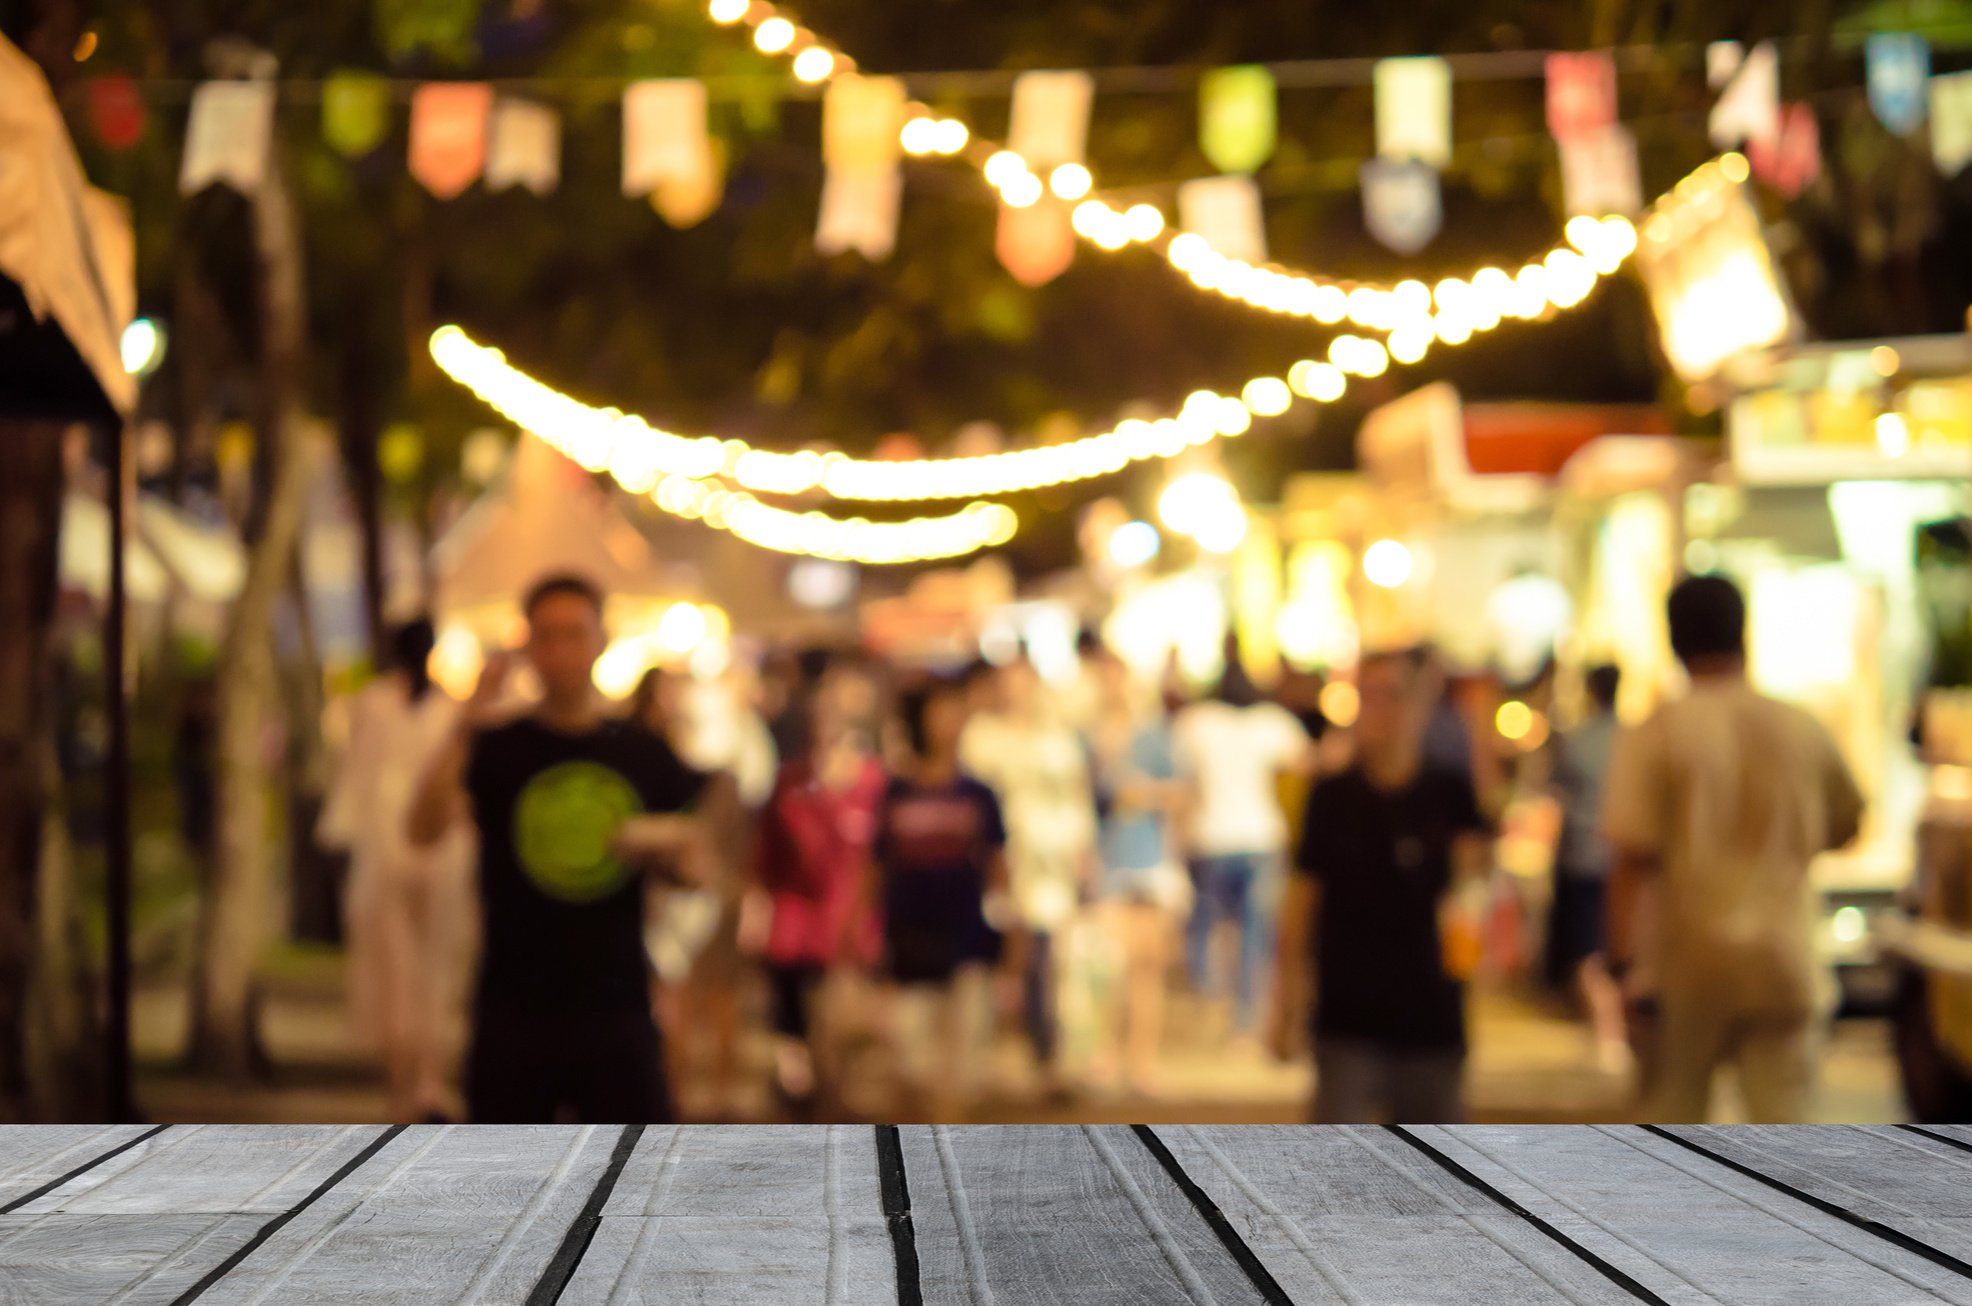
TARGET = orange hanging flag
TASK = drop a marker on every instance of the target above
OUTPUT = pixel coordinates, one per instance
(1037, 243)
(448, 135)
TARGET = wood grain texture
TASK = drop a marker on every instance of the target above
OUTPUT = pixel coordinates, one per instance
(1351, 1215)
(441, 1214)
(131, 1260)
(770, 1215)
(218, 1169)
(1058, 1214)
(1688, 1228)
(31, 1157)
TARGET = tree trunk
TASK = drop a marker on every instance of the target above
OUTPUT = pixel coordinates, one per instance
(314, 914)
(235, 919)
(30, 527)
(362, 425)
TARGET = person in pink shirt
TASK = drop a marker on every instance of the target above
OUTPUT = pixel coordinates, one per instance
(811, 917)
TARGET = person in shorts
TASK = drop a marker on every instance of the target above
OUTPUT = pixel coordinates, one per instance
(940, 853)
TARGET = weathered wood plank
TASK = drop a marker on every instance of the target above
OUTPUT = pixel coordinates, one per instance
(1348, 1214)
(217, 1169)
(441, 1213)
(1669, 1217)
(1058, 1214)
(768, 1215)
(1916, 1186)
(32, 1155)
(131, 1260)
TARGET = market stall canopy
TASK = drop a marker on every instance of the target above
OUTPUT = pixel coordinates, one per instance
(1486, 457)
(67, 268)
(549, 516)
(168, 552)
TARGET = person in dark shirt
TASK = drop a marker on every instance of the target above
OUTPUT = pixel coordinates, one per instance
(572, 806)
(940, 856)
(1371, 915)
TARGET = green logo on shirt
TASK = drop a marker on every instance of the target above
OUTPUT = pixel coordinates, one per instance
(564, 824)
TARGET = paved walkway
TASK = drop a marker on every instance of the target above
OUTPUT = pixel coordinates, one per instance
(850, 1215)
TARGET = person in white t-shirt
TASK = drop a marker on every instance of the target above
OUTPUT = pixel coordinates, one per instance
(1232, 750)
(1038, 767)
(1714, 808)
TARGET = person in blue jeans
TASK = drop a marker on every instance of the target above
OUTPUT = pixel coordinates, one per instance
(1232, 750)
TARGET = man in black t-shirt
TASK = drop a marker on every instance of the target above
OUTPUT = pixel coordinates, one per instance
(572, 808)
(1385, 847)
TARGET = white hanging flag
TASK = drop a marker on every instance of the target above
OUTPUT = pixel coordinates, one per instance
(1722, 60)
(859, 211)
(230, 133)
(1951, 122)
(1050, 124)
(1599, 174)
(523, 147)
(1227, 212)
(1414, 110)
(1748, 110)
(1402, 204)
(864, 186)
(664, 134)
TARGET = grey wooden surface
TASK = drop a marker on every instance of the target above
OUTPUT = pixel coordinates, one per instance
(985, 1216)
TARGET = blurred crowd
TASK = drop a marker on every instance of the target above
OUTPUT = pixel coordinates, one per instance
(886, 869)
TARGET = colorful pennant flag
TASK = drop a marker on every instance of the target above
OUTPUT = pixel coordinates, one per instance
(1581, 94)
(668, 152)
(228, 137)
(1748, 110)
(1227, 212)
(1238, 117)
(1951, 122)
(1599, 173)
(1402, 206)
(355, 112)
(1897, 65)
(1036, 244)
(449, 122)
(1794, 158)
(523, 147)
(863, 190)
(1414, 110)
(116, 110)
(1050, 124)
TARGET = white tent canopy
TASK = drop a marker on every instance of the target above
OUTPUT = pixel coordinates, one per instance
(548, 517)
(167, 552)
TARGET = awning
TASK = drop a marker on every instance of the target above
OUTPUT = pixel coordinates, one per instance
(67, 285)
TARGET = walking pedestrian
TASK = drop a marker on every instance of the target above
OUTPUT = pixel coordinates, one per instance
(1715, 807)
(817, 926)
(1143, 890)
(940, 853)
(1038, 767)
(1387, 846)
(1581, 871)
(1232, 749)
(406, 906)
(572, 806)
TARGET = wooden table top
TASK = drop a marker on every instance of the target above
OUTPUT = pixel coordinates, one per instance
(985, 1216)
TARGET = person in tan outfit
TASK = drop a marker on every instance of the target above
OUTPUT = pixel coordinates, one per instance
(1715, 807)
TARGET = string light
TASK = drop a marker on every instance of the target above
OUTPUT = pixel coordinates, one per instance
(774, 35)
(644, 458)
(1071, 181)
(814, 65)
(727, 12)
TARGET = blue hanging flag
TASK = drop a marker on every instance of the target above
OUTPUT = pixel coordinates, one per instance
(1899, 66)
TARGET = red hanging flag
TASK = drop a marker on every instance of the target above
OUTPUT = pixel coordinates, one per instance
(1581, 94)
(1036, 243)
(1793, 159)
(116, 110)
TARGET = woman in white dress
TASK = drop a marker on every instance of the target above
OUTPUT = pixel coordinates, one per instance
(407, 910)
